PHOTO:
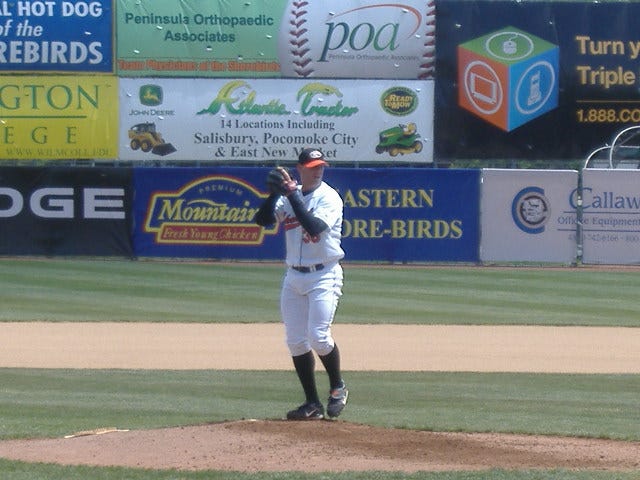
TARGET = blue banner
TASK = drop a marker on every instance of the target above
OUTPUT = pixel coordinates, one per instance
(390, 215)
(409, 215)
(206, 213)
(56, 36)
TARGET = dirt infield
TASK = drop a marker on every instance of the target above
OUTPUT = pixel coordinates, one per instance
(258, 445)
(252, 446)
(364, 347)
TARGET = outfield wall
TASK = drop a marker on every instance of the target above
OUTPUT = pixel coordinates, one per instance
(401, 215)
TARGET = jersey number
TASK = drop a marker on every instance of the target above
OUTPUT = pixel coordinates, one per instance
(306, 238)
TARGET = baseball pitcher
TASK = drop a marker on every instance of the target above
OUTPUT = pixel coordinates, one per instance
(311, 214)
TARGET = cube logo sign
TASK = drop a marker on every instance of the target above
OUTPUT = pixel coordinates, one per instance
(508, 77)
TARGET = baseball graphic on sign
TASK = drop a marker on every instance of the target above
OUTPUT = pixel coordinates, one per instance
(345, 39)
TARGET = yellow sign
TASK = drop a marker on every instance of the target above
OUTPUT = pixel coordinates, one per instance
(58, 117)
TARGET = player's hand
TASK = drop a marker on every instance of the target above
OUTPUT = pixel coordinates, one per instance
(290, 183)
(280, 181)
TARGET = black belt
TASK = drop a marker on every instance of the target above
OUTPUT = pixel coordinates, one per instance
(312, 268)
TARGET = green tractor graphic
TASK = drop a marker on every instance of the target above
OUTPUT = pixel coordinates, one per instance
(399, 140)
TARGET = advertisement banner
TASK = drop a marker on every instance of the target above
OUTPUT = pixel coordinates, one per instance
(409, 215)
(610, 216)
(221, 120)
(65, 211)
(390, 215)
(202, 213)
(534, 79)
(58, 117)
(276, 38)
(56, 36)
(528, 216)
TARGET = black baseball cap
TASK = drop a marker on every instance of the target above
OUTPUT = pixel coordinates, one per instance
(311, 157)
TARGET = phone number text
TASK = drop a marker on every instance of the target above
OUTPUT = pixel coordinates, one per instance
(608, 115)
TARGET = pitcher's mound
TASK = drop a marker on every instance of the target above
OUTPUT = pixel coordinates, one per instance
(273, 445)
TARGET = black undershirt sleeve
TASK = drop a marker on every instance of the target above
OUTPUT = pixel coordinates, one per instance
(266, 213)
(313, 225)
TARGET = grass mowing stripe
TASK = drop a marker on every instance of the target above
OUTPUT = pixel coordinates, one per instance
(132, 291)
(25, 471)
(488, 296)
(52, 403)
(86, 290)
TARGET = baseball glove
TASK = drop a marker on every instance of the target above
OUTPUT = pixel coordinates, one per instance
(279, 181)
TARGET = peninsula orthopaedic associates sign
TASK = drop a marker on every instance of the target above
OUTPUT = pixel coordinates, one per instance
(276, 38)
(338, 38)
(220, 120)
(56, 36)
(58, 117)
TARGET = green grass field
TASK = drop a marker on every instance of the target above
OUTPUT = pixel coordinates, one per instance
(21, 471)
(144, 291)
(53, 403)
(44, 402)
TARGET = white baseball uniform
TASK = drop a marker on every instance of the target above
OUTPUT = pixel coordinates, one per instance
(312, 283)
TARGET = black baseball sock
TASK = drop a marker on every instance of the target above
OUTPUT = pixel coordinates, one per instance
(331, 362)
(305, 368)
